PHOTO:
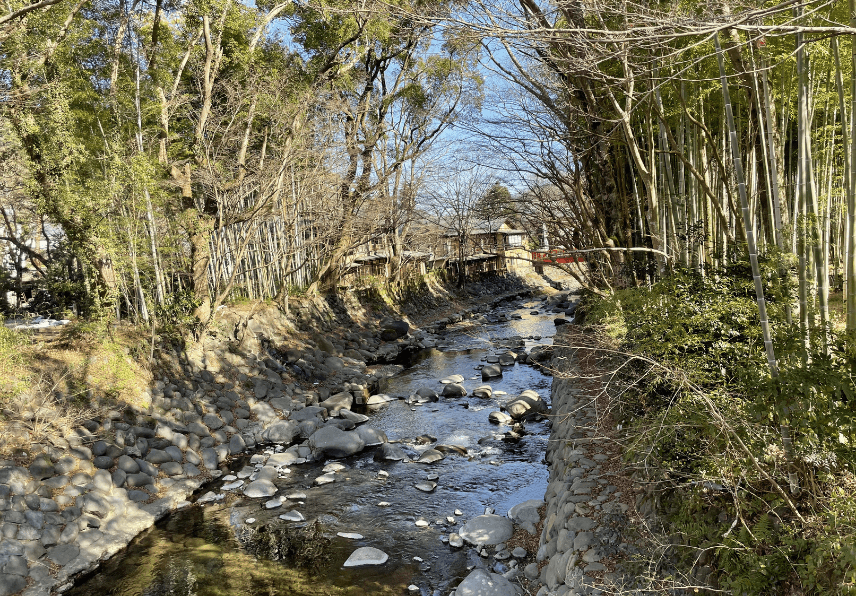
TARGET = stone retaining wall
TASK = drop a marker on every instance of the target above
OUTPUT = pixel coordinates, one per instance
(584, 514)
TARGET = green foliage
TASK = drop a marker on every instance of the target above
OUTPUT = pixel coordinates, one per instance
(699, 346)
(176, 315)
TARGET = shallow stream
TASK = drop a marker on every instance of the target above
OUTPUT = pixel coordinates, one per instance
(213, 549)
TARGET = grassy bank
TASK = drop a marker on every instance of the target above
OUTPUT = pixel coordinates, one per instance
(702, 419)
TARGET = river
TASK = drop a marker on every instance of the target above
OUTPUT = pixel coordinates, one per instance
(215, 549)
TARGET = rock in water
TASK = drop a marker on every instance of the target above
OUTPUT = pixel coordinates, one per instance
(259, 489)
(430, 456)
(491, 371)
(366, 556)
(334, 442)
(500, 418)
(426, 487)
(393, 330)
(483, 391)
(380, 398)
(487, 530)
(389, 452)
(452, 379)
(526, 405)
(454, 390)
(483, 583)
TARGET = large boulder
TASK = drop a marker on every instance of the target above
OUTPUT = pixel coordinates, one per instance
(393, 330)
(491, 371)
(331, 441)
(483, 583)
(526, 405)
(487, 530)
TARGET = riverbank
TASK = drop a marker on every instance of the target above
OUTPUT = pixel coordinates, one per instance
(76, 500)
(590, 521)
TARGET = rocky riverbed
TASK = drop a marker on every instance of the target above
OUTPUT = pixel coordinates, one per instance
(82, 499)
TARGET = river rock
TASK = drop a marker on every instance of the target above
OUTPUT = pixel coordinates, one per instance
(428, 393)
(353, 416)
(371, 436)
(389, 452)
(527, 511)
(430, 456)
(491, 371)
(528, 404)
(259, 489)
(282, 432)
(454, 390)
(500, 418)
(393, 330)
(487, 529)
(333, 442)
(541, 353)
(425, 487)
(483, 391)
(294, 516)
(482, 583)
(339, 401)
(507, 359)
(378, 399)
(452, 379)
(366, 556)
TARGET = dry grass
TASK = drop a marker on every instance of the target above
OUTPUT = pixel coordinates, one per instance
(50, 384)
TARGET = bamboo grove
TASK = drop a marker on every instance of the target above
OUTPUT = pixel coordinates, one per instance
(615, 116)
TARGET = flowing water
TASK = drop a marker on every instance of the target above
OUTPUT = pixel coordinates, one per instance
(213, 549)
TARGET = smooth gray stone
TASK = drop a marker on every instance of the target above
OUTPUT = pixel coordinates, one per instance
(333, 442)
(371, 436)
(11, 584)
(283, 431)
(50, 535)
(156, 456)
(172, 468)
(138, 496)
(487, 530)
(259, 489)
(483, 583)
(191, 471)
(66, 464)
(175, 453)
(147, 467)
(212, 421)
(366, 556)
(491, 371)
(127, 464)
(137, 480)
(16, 565)
(210, 459)
(103, 462)
(63, 554)
(389, 452)
(236, 444)
(454, 390)
(103, 481)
